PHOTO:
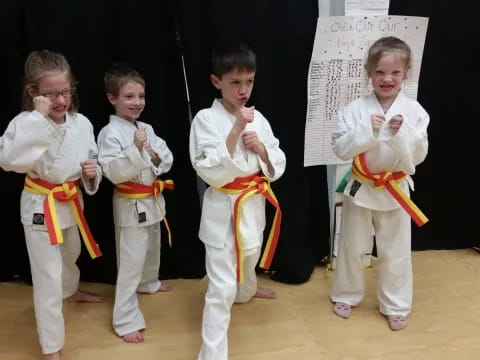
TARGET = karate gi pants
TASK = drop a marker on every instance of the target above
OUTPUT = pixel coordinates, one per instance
(138, 260)
(223, 290)
(55, 277)
(394, 265)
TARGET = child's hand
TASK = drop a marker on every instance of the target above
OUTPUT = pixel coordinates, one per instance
(251, 142)
(149, 150)
(42, 104)
(153, 155)
(89, 168)
(377, 122)
(396, 123)
(140, 138)
(244, 116)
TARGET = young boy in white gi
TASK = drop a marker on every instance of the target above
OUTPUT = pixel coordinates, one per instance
(132, 157)
(230, 141)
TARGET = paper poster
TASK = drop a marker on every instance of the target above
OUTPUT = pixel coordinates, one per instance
(366, 7)
(337, 76)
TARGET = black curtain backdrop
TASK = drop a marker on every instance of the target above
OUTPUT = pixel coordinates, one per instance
(445, 182)
(92, 34)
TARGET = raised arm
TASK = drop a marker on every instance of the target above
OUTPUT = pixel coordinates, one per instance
(352, 135)
(210, 156)
(25, 140)
(410, 141)
(118, 164)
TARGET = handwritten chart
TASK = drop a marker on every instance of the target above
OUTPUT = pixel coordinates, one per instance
(337, 76)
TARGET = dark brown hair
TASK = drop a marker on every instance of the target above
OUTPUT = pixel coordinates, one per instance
(228, 57)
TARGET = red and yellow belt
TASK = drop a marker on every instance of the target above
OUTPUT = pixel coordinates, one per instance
(388, 180)
(135, 190)
(246, 187)
(62, 192)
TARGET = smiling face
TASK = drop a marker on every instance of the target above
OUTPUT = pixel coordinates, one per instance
(55, 83)
(387, 77)
(130, 101)
(236, 87)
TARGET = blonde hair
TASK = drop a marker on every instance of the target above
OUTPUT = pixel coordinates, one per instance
(40, 64)
(384, 46)
(118, 75)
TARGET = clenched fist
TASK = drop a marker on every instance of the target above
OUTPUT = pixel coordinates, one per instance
(251, 142)
(140, 138)
(42, 105)
(377, 122)
(244, 116)
(396, 123)
(89, 168)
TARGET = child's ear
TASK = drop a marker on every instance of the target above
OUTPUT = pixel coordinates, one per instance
(215, 81)
(408, 67)
(112, 99)
(30, 91)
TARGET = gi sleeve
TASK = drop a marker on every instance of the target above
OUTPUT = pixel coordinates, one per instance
(91, 185)
(352, 136)
(209, 155)
(159, 146)
(25, 140)
(118, 164)
(411, 142)
(275, 154)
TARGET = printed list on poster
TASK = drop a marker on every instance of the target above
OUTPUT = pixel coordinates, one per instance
(337, 76)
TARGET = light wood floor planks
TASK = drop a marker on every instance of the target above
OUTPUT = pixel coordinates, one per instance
(300, 325)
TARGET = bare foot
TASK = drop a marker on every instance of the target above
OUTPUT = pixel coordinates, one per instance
(83, 296)
(133, 338)
(163, 288)
(265, 293)
(52, 356)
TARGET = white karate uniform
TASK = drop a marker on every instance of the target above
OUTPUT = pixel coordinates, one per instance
(365, 205)
(37, 146)
(137, 221)
(212, 161)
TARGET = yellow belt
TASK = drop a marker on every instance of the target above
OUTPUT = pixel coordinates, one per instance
(135, 190)
(388, 180)
(62, 192)
(246, 187)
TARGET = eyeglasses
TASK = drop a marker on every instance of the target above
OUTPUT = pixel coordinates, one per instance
(53, 94)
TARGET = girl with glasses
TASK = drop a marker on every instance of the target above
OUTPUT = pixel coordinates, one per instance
(55, 147)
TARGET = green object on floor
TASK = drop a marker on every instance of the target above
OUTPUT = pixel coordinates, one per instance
(343, 183)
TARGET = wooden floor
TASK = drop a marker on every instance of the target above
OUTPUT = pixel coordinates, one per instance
(300, 325)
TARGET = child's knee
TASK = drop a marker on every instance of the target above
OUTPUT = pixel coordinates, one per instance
(243, 298)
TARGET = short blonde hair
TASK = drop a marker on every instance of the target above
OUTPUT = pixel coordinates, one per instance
(118, 75)
(384, 46)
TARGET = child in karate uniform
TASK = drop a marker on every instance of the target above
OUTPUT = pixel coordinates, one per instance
(385, 133)
(133, 157)
(232, 145)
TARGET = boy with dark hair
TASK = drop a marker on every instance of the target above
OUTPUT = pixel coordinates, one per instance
(233, 150)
